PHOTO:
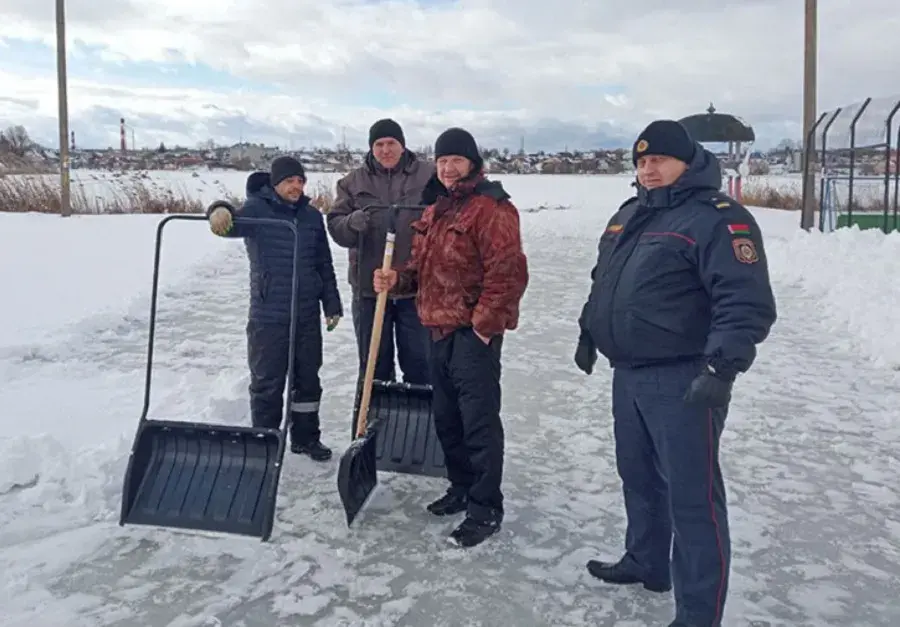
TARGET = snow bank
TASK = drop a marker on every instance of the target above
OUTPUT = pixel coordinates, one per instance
(853, 275)
(56, 272)
(66, 284)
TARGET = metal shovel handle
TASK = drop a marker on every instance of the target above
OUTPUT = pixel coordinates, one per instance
(287, 224)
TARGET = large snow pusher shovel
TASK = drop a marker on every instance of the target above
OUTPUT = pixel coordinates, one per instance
(393, 425)
(208, 477)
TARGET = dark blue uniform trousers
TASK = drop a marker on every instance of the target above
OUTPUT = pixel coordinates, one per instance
(667, 453)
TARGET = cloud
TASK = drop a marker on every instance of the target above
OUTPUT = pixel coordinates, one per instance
(564, 73)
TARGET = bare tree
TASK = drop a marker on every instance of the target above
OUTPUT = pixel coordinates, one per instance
(787, 144)
(15, 141)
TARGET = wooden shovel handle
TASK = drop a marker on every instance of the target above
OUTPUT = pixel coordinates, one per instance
(375, 341)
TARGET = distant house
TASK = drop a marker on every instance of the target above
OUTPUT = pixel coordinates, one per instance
(252, 153)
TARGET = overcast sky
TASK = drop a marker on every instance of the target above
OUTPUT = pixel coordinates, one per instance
(562, 73)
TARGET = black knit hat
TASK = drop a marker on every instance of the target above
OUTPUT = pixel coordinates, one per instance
(667, 138)
(284, 168)
(386, 128)
(457, 141)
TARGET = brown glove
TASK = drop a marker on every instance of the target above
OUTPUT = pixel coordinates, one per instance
(220, 221)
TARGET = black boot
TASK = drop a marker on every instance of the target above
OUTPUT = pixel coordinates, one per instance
(472, 532)
(315, 449)
(305, 436)
(454, 502)
(622, 572)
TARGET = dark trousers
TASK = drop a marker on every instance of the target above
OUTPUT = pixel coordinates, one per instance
(667, 454)
(354, 310)
(465, 374)
(401, 323)
(267, 352)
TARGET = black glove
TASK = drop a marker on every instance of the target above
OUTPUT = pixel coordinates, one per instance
(358, 221)
(585, 354)
(711, 388)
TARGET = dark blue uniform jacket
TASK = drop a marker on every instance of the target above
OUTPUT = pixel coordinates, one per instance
(681, 274)
(270, 250)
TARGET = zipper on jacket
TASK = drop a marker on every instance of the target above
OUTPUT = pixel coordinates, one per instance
(391, 186)
(615, 286)
(294, 254)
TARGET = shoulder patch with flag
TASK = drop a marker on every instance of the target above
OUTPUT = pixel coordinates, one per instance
(614, 228)
(739, 229)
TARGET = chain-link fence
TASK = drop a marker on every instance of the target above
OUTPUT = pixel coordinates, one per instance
(853, 150)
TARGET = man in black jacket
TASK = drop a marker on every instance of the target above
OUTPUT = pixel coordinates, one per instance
(391, 175)
(680, 298)
(279, 194)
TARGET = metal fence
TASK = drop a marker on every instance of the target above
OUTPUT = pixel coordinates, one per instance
(846, 139)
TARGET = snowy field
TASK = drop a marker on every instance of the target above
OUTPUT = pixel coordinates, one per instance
(210, 185)
(811, 451)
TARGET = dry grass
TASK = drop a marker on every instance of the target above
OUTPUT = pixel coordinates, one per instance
(137, 194)
(322, 196)
(764, 194)
(40, 194)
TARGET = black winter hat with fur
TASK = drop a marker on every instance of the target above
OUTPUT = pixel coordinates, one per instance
(666, 138)
(458, 141)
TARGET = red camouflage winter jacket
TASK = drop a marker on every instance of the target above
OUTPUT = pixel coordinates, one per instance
(467, 261)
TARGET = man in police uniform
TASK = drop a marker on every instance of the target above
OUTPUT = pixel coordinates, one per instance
(680, 298)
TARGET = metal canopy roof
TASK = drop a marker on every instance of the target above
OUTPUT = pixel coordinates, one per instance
(717, 127)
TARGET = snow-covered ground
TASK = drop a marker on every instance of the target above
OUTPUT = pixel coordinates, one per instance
(810, 451)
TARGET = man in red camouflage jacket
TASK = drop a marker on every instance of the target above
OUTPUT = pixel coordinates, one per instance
(470, 273)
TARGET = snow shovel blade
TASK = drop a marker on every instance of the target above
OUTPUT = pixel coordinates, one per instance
(400, 413)
(190, 475)
(356, 474)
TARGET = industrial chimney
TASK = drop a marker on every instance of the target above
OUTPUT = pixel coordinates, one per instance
(122, 134)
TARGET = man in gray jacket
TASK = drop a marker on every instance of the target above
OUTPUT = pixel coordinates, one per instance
(391, 174)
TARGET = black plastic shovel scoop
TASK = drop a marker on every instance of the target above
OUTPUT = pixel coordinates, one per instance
(357, 476)
(407, 442)
(207, 477)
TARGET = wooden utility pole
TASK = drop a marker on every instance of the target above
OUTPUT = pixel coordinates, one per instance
(65, 208)
(810, 54)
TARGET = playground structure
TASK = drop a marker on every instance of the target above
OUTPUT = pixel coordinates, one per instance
(713, 127)
(853, 152)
